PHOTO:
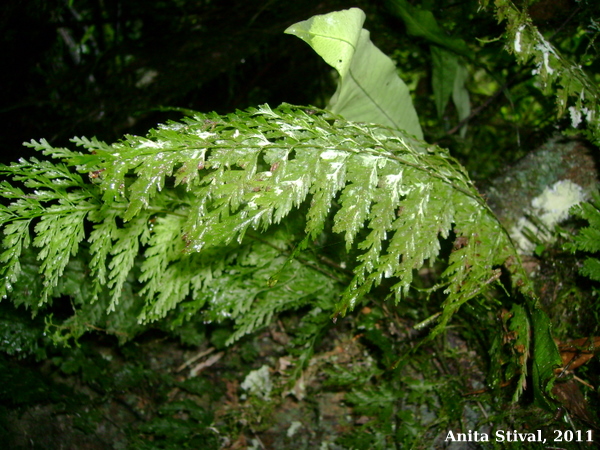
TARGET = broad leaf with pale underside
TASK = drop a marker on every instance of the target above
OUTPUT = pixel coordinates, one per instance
(369, 89)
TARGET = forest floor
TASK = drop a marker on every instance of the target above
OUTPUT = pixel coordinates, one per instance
(155, 392)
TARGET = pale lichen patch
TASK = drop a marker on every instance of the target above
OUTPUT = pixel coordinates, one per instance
(550, 208)
(518, 39)
(258, 382)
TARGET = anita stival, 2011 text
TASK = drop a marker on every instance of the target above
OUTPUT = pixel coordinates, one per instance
(516, 436)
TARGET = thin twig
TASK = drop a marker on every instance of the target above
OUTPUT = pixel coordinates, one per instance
(204, 364)
(575, 11)
(517, 78)
(477, 110)
(195, 358)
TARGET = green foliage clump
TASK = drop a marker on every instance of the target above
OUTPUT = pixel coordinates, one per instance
(588, 238)
(182, 424)
(557, 75)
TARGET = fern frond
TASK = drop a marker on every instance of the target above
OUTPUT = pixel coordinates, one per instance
(174, 210)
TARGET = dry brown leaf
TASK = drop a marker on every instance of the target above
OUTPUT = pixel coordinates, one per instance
(578, 352)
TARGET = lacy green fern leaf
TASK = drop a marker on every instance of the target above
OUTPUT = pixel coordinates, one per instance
(175, 209)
